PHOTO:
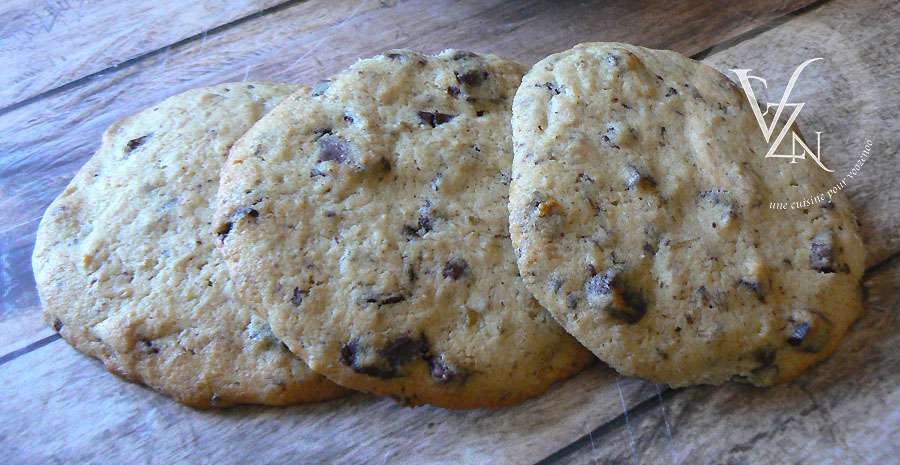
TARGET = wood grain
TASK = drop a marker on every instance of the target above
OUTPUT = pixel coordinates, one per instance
(46, 44)
(76, 413)
(845, 97)
(44, 143)
(842, 411)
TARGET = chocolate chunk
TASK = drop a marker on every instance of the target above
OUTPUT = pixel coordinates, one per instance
(635, 178)
(225, 228)
(57, 325)
(320, 88)
(821, 252)
(610, 294)
(753, 287)
(381, 298)
(434, 118)
(333, 148)
(297, 296)
(401, 351)
(454, 268)
(135, 143)
(349, 356)
(671, 91)
(472, 77)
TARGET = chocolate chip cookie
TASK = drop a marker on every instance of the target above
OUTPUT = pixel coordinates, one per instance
(127, 270)
(366, 221)
(641, 211)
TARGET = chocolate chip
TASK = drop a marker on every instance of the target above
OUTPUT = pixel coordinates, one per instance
(403, 350)
(609, 142)
(463, 54)
(333, 148)
(410, 231)
(821, 252)
(550, 86)
(635, 178)
(382, 298)
(753, 286)
(472, 77)
(57, 325)
(135, 143)
(765, 358)
(146, 345)
(426, 216)
(443, 374)
(610, 294)
(225, 228)
(454, 268)
(320, 88)
(556, 284)
(297, 296)
(808, 330)
(798, 335)
(720, 203)
(434, 118)
(479, 113)
(671, 91)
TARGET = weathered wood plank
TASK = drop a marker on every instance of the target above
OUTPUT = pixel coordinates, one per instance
(45, 44)
(78, 413)
(44, 143)
(842, 411)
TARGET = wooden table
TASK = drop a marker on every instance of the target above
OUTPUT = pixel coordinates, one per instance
(71, 68)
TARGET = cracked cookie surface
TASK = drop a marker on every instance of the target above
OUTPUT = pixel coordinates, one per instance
(366, 221)
(640, 213)
(127, 269)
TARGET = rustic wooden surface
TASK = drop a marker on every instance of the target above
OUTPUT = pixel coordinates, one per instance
(78, 66)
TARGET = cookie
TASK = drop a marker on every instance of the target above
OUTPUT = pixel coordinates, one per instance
(366, 221)
(641, 213)
(127, 269)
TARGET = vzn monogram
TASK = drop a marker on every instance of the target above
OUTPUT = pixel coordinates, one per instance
(767, 130)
